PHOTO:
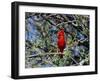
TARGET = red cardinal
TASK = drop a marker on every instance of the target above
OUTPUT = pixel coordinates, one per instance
(61, 41)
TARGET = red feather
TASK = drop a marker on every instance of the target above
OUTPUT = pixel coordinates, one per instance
(61, 41)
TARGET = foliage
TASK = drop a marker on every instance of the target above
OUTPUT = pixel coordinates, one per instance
(41, 39)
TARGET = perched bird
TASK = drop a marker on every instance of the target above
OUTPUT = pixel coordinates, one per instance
(61, 41)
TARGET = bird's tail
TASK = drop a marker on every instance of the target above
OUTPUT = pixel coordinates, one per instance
(61, 54)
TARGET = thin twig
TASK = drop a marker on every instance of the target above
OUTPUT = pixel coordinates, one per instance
(43, 54)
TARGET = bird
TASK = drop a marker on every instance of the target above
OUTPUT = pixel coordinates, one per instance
(61, 43)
